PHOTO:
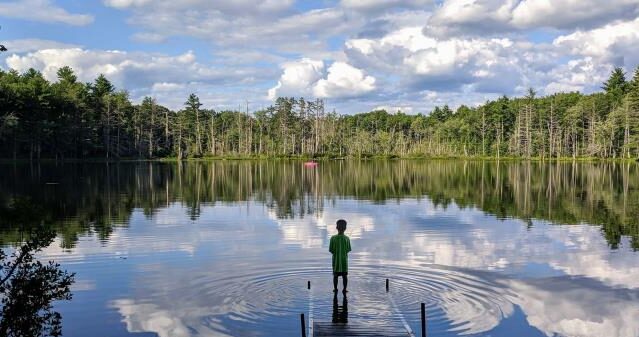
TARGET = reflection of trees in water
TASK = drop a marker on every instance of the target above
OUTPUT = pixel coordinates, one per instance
(71, 199)
(97, 197)
(28, 286)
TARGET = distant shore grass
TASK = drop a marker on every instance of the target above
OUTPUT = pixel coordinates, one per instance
(326, 157)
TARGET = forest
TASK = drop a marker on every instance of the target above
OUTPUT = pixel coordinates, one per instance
(68, 119)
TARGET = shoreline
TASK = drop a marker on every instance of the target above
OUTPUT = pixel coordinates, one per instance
(325, 158)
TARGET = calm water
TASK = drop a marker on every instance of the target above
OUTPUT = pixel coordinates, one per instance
(226, 248)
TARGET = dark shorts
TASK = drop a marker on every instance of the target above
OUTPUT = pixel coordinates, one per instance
(342, 273)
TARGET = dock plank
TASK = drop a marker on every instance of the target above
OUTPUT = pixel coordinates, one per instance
(375, 315)
(391, 329)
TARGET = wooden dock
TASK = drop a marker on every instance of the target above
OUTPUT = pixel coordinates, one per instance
(386, 324)
(359, 330)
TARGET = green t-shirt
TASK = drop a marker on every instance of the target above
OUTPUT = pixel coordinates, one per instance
(339, 246)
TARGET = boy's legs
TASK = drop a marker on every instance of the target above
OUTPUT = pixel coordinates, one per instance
(345, 280)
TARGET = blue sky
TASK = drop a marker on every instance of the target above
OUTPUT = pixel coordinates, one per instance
(358, 55)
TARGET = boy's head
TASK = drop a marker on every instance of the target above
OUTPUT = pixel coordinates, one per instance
(341, 225)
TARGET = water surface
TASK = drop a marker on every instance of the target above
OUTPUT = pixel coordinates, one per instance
(226, 248)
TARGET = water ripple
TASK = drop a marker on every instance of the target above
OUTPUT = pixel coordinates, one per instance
(261, 297)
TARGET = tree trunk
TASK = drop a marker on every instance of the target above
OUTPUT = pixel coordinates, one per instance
(626, 138)
(108, 128)
(483, 132)
(197, 131)
(166, 129)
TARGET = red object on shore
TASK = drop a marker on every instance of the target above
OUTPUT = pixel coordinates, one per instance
(310, 164)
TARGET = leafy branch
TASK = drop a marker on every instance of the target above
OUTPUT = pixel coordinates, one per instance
(28, 288)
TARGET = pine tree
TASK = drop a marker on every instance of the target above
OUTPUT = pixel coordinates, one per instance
(102, 90)
(616, 86)
(193, 107)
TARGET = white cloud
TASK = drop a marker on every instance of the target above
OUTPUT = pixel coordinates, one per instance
(369, 5)
(88, 64)
(403, 46)
(579, 61)
(488, 64)
(225, 6)
(571, 13)
(478, 17)
(305, 78)
(607, 43)
(121, 4)
(297, 78)
(344, 80)
(393, 109)
(43, 11)
(592, 54)
(166, 86)
(410, 38)
(577, 75)
(27, 45)
(470, 15)
(364, 46)
(170, 78)
(273, 25)
(123, 68)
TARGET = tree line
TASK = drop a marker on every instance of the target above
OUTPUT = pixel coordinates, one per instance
(69, 119)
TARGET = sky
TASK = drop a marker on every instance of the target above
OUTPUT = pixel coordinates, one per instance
(357, 55)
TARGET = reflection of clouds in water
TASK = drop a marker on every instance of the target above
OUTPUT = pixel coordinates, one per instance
(170, 230)
(578, 307)
(592, 258)
(305, 232)
(493, 246)
(468, 238)
(410, 234)
(474, 317)
(82, 285)
(154, 235)
(217, 297)
(357, 224)
(477, 241)
(148, 317)
(313, 231)
(117, 245)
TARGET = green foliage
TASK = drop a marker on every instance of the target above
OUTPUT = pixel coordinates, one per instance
(68, 119)
(28, 288)
(616, 86)
(632, 111)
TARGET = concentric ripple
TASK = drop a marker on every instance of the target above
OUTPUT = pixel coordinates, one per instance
(271, 297)
(464, 301)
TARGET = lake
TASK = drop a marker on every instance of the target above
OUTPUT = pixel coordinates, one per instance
(226, 248)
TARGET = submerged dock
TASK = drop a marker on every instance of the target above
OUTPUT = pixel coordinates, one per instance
(393, 325)
(380, 329)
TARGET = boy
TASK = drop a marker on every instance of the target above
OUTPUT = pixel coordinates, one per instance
(339, 246)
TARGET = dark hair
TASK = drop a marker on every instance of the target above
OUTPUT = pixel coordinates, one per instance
(341, 224)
